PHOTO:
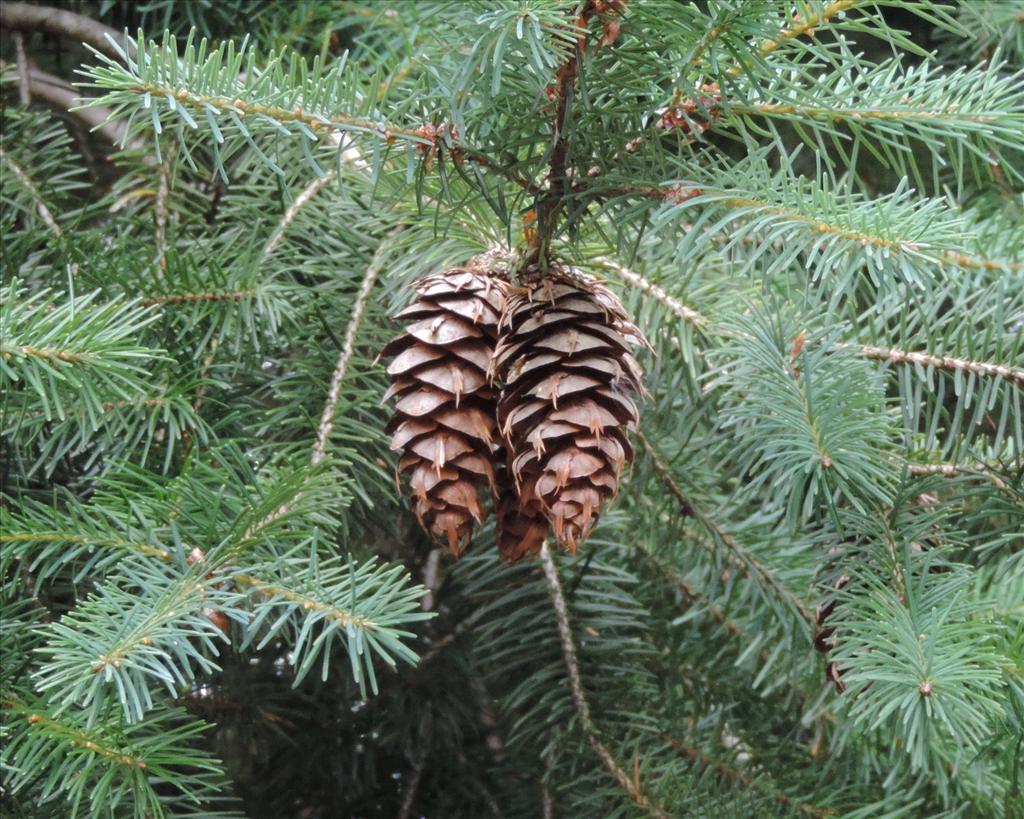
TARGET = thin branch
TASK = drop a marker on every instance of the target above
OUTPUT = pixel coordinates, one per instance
(30, 188)
(21, 59)
(437, 646)
(547, 802)
(734, 775)
(73, 737)
(947, 470)
(327, 124)
(980, 368)
(977, 470)
(72, 537)
(77, 27)
(789, 110)
(311, 190)
(557, 183)
(163, 191)
(484, 161)
(339, 615)
(579, 698)
(801, 27)
(680, 310)
(348, 348)
(203, 370)
(413, 784)
(740, 557)
(54, 91)
(51, 354)
(194, 298)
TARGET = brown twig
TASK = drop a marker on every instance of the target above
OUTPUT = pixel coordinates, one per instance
(557, 183)
(63, 96)
(82, 29)
(734, 775)
(21, 59)
(194, 298)
(579, 698)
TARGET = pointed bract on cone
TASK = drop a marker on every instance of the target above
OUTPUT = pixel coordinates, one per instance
(566, 405)
(444, 421)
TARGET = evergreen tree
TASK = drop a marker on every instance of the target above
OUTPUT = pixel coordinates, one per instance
(807, 598)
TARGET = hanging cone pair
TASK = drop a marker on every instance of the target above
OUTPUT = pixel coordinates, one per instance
(552, 444)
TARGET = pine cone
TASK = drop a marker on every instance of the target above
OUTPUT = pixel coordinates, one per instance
(565, 408)
(444, 419)
(522, 527)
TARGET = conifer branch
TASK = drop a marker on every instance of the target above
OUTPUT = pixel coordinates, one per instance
(181, 599)
(49, 354)
(74, 538)
(197, 298)
(579, 698)
(739, 556)
(348, 348)
(984, 369)
(683, 193)
(307, 193)
(322, 124)
(1014, 375)
(30, 187)
(800, 28)
(93, 742)
(678, 309)
(344, 617)
(163, 190)
(737, 776)
(952, 113)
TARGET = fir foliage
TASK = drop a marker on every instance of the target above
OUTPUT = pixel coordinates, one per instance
(215, 601)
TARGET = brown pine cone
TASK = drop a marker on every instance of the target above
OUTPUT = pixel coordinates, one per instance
(565, 362)
(522, 527)
(444, 419)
